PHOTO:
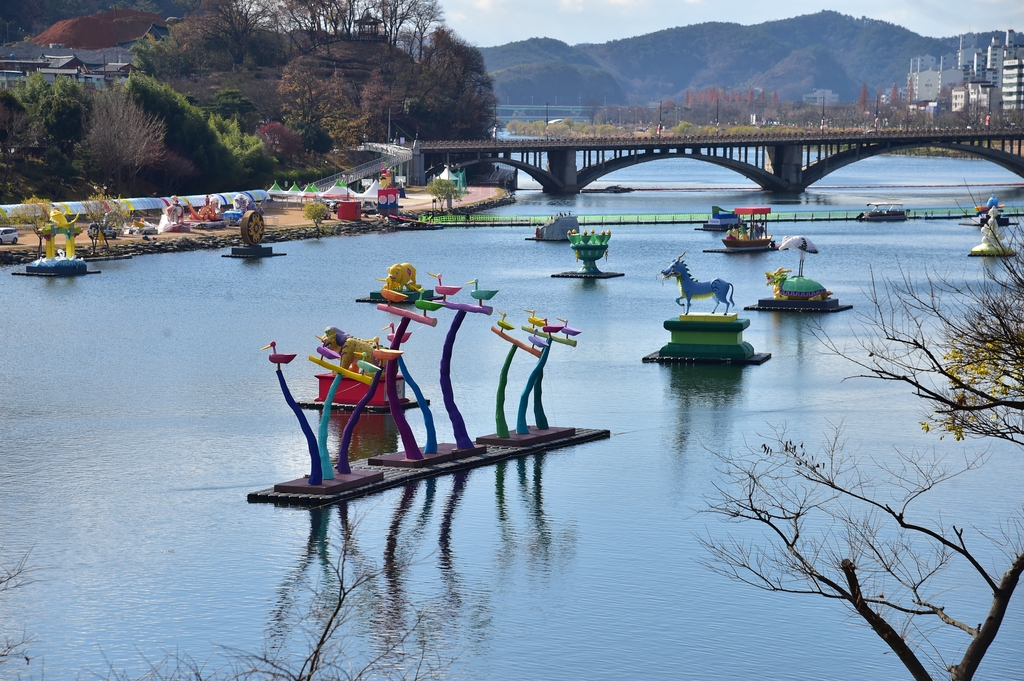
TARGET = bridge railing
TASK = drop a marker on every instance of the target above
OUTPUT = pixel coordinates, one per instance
(687, 218)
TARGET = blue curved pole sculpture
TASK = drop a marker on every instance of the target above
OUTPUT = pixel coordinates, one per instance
(325, 419)
(538, 371)
(428, 419)
(346, 435)
(315, 475)
(462, 440)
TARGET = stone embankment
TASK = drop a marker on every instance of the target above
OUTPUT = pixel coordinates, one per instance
(197, 241)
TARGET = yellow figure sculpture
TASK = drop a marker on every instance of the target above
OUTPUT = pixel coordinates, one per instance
(59, 224)
(401, 276)
(349, 347)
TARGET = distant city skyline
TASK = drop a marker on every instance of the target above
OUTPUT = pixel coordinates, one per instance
(495, 22)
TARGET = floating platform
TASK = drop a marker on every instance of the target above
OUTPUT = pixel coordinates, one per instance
(376, 297)
(535, 437)
(396, 477)
(756, 358)
(446, 451)
(342, 482)
(246, 252)
(773, 305)
(707, 338)
(588, 275)
(53, 274)
(759, 249)
(713, 228)
(368, 409)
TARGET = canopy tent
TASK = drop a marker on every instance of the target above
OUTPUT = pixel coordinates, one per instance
(458, 177)
(140, 203)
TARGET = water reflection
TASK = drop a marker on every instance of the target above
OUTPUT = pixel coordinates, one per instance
(703, 394)
(375, 433)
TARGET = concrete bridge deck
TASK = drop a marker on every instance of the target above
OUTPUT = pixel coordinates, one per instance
(787, 162)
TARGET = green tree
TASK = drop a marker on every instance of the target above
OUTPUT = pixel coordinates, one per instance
(189, 134)
(444, 191)
(247, 150)
(316, 213)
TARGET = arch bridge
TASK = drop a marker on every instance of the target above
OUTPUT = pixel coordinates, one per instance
(776, 162)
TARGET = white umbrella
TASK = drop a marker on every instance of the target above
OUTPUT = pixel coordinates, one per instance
(800, 243)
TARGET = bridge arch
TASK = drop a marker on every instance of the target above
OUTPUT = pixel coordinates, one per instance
(760, 176)
(547, 181)
(828, 165)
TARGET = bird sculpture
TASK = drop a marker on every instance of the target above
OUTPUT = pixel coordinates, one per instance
(276, 357)
(799, 243)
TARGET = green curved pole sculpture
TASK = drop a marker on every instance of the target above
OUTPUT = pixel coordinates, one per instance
(501, 427)
(521, 427)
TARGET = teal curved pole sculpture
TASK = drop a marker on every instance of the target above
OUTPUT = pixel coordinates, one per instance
(538, 406)
(501, 426)
(538, 372)
(325, 419)
(428, 419)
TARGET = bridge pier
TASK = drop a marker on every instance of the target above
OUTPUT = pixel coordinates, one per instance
(562, 164)
(785, 161)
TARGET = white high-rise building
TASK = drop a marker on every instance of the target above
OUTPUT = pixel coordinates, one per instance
(1013, 84)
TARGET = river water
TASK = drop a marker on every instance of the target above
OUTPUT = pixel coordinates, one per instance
(136, 411)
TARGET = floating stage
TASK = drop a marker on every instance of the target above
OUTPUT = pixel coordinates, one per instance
(249, 252)
(368, 409)
(588, 275)
(759, 249)
(707, 338)
(391, 477)
(773, 305)
(105, 258)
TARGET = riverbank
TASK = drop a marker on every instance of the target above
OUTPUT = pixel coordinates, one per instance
(286, 224)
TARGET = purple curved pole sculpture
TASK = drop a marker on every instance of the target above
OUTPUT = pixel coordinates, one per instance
(412, 450)
(315, 475)
(462, 440)
(346, 435)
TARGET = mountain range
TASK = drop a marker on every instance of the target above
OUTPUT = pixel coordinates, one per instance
(826, 50)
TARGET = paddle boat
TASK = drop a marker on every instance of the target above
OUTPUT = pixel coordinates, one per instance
(751, 235)
(889, 211)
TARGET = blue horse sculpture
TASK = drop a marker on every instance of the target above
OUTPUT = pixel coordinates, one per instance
(691, 288)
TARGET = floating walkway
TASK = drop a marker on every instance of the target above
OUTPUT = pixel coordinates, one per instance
(396, 477)
(486, 220)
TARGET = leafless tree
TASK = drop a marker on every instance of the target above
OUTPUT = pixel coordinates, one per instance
(424, 17)
(320, 22)
(959, 346)
(875, 551)
(12, 576)
(235, 24)
(122, 136)
(394, 15)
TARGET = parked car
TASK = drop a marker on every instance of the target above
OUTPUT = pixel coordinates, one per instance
(8, 235)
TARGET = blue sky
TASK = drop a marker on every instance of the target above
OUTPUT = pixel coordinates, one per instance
(495, 22)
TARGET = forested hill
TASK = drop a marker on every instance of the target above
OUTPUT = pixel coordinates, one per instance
(792, 56)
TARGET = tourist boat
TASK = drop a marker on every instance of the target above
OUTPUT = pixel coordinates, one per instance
(721, 220)
(752, 234)
(883, 212)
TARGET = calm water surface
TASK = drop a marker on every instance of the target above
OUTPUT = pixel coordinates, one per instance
(136, 411)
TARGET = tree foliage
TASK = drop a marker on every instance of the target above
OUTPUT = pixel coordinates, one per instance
(122, 136)
(958, 346)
